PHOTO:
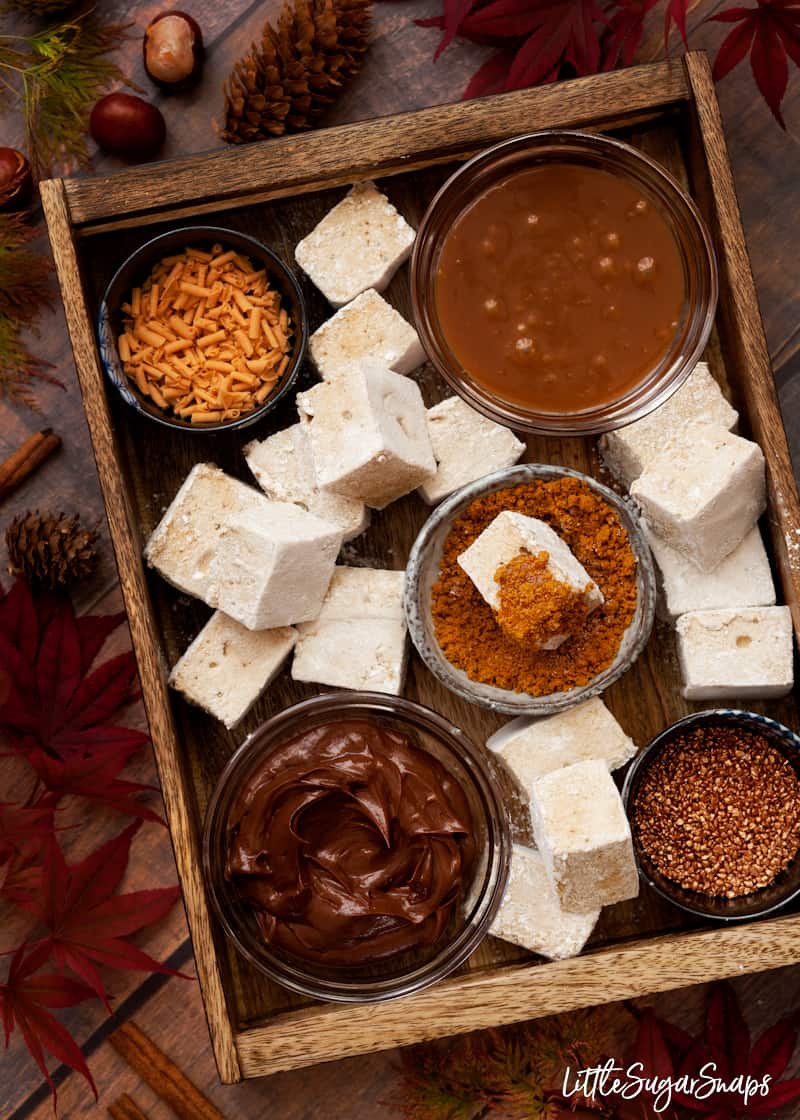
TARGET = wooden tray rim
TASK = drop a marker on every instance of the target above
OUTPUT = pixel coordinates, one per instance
(280, 168)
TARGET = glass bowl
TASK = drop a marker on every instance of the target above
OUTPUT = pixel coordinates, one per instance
(778, 893)
(404, 973)
(135, 270)
(691, 237)
(422, 572)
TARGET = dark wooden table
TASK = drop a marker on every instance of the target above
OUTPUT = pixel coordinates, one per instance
(398, 75)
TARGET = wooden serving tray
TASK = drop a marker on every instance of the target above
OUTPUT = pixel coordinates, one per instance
(277, 191)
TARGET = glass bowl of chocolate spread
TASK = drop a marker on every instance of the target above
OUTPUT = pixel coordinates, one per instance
(563, 283)
(356, 847)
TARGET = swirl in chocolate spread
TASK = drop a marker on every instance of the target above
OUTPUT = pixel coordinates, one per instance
(351, 844)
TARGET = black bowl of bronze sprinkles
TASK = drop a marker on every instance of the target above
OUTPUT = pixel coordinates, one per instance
(714, 806)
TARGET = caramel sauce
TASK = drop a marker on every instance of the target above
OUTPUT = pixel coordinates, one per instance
(560, 287)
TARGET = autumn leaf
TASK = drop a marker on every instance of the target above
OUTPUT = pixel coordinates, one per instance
(56, 710)
(24, 1003)
(770, 33)
(88, 925)
(623, 34)
(725, 1042)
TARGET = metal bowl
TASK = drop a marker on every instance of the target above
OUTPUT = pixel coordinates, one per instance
(422, 572)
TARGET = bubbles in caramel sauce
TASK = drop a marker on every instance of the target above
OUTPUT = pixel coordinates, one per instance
(560, 287)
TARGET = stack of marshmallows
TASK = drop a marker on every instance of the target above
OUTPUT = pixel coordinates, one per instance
(560, 768)
(267, 561)
(702, 490)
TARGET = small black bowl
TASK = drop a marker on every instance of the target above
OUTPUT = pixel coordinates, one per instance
(135, 270)
(755, 905)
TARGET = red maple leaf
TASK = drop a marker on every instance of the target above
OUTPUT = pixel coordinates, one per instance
(724, 1044)
(87, 923)
(54, 711)
(770, 33)
(623, 34)
(24, 999)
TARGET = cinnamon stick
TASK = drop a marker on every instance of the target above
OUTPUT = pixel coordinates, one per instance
(126, 1108)
(162, 1075)
(24, 461)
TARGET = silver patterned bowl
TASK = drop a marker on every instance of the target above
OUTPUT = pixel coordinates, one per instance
(422, 572)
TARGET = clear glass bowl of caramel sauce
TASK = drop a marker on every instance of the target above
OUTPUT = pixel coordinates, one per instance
(563, 283)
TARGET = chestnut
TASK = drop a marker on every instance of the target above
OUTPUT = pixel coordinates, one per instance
(16, 181)
(173, 49)
(127, 126)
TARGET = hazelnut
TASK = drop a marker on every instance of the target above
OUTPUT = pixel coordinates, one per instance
(173, 49)
(16, 181)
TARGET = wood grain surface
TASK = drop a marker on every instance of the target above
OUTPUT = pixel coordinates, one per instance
(141, 467)
(398, 76)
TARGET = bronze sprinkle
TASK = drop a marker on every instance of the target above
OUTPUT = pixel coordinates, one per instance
(718, 812)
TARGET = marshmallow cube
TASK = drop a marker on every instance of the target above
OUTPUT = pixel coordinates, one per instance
(466, 447)
(628, 451)
(369, 327)
(583, 834)
(742, 579)
(284, 469)
(264, 563)
(227, 667)
(736, 654)
(511, 534)
(530, 914)
(369, 434)
(359, 244)
(703, 493)
(532, 747)
(359, 639)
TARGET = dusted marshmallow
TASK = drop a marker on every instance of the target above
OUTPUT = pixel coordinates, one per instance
(359, 244)
(511, 535)
(359, 639)
(742, 579)
(703, 493)
(264, 563)
(532, 747)
(530, 914)
(627, 451)
(284, 469)
(583, 834)
(369, 327)
(736, 654)
(369, 434)
(466, 447)
(227, 666)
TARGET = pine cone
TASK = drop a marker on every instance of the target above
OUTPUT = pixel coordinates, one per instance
(50, 551)
(288, 79)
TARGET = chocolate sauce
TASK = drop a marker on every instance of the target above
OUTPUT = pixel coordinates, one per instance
(351, 844)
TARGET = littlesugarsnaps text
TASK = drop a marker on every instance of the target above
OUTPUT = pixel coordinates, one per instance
(630, 1082)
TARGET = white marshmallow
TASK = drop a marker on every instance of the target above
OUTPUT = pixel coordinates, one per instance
(369, 434)
(510, 535)
(742, 579)
(359, 244)
(629, 450)
(531, 915)
(736, 654)
(369, 327)
(703, 493)
(284, 469)
(466, 447)
(532, 747)
(227, 667)
(359, 639)
(264, 563)
(583, 835)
